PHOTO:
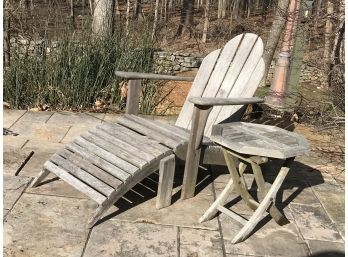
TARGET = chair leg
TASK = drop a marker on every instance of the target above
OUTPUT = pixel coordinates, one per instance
(266, 202)
(43, 174)
(165, 184)
(220, 201)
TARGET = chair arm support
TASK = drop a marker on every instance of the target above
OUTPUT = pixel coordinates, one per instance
(211, 101)
(138, 75)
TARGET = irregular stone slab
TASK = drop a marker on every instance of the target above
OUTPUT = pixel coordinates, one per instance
(13, 160)
(43, 146)
(44, 226)
(334, 205)
(98, 115)
(314, 224)
(181, 212)
(70, 118)
(123, 239)
(52, 186)
(166, 119)
(13, 189)
(11, 116)
(269, 240)
(35, 117)
(197, 242)
(325, 248)
(14, 143)
(111, 117)
(35, 164)
(75, 131)
(41, 131)
(295, 191)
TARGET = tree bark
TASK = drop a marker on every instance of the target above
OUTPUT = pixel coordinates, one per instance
(186, 18)
(103, 17)
(7, 25)
(206, 21)
(274, 36)
(127, 17)
(155, 20)
(328, 31)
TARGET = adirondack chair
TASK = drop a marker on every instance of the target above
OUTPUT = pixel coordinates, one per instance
(110, 159)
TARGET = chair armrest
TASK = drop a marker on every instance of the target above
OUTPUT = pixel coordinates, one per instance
(138, 75)
(211, 101)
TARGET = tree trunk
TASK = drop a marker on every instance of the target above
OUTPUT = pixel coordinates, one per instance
(155, 20)
(275, 33)
(186, 18)
(127, 17)
(206, 21)
(103, 17)
(137, 9)
(72, 14)
(7, 25)
(328, 31)
(91, 7)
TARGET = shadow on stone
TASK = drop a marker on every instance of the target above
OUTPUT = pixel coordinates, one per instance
(328, 254)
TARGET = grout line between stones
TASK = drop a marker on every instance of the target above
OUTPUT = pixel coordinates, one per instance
(87, 239)
(65, 134)
(218, 218)
(26, 142)
(178, 241)
(13, 205)
(50, 117)
(18, 119)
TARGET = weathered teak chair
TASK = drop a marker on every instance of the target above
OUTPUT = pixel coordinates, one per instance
(110, 159)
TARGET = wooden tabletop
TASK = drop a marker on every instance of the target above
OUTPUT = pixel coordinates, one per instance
(259, 139)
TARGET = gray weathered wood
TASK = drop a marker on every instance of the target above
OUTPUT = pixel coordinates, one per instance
(117, 194)
(84, 176)
(132, 136)
(119, 142)
(258, 139)
(257, 216)
(166, 178)
(112, 158)
(211, 101)
(198, 86)
(42, 175)
(149, 132)
(91, 169)
(78, 184)
(114, 149)
(153, 76)
(133, 96)
(99, 162)
(200, 116)
(232, 214)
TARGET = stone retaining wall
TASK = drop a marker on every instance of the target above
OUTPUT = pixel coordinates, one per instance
(168, 63)
(171, 63)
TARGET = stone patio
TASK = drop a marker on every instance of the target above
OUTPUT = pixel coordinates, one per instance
(51, 220)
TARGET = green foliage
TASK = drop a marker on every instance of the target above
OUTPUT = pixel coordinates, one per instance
(77, 71)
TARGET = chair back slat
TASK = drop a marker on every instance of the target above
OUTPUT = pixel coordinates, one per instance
(235, 71)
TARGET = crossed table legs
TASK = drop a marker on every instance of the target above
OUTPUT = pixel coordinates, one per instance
(238, 185)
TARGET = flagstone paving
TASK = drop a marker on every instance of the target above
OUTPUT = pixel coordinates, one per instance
(51, 220)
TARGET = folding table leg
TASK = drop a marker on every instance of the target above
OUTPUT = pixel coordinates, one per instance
(220, 201)
(264, 205)
(273, 211)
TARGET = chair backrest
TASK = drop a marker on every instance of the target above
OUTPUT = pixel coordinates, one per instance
(234, 71)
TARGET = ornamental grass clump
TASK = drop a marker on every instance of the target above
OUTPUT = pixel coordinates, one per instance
(74, 71)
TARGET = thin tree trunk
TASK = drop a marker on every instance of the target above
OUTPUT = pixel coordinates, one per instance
(206, 21)
(91, 7)
(328, 31)
(7, 25)
(72, 14)
(102, 24)
(127, 17)
(155, 20)
(186, 18)
(275, 33)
